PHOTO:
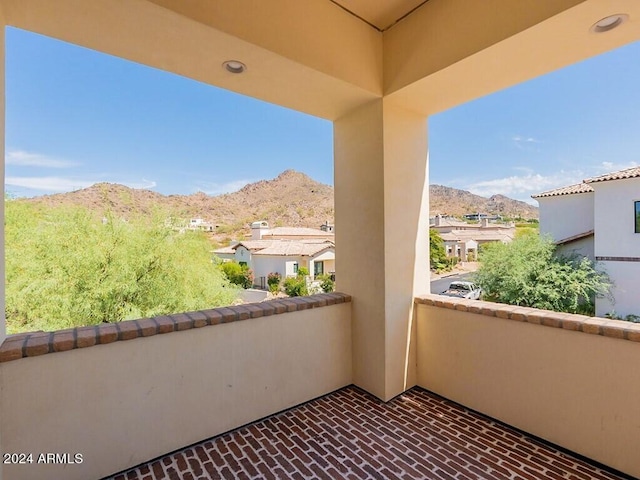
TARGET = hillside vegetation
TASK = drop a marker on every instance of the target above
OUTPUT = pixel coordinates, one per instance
(291, 199)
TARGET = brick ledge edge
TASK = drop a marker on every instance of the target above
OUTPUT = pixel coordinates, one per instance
(33, 344)
(566, 321)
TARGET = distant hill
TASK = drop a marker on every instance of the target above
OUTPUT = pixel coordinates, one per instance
(291, 199)
(451, 201)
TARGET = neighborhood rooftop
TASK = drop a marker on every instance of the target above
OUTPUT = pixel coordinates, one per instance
(619, 175)
(570, 190)
(583, 187)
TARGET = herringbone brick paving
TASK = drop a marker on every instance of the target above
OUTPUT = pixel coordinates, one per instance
(351, 435)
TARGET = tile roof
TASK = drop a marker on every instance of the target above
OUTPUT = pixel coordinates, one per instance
(448, 222)
(301, 247)
(251, 245)
(296, 231)
(349, 434)
(295, 248)
(570, 190)
(633, 172)
(584, 187)
(479, 235)
(575, 238)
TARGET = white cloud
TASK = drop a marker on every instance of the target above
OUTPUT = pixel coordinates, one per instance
(145, 184)
(522, 187)
(63, 184)
(528, 183)
(518, 138)
(220, 188)
(525, 143)
(609, 167)
(29, 159)
(49, 184)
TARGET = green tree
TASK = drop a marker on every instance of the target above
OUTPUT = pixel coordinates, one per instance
(527, 272)
(437, 255)
(65, 268)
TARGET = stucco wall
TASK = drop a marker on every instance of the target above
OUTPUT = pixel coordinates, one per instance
(614, 218)
(574, 389)
(129, 401)
(616, 237)
(583, 247)
(566, 215)
(626, 289)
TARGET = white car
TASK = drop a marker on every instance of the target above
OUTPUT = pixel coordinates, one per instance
(462, 289)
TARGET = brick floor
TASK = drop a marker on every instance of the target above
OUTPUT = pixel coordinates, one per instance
(351, 435)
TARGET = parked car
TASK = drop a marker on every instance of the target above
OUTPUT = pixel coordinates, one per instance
(462, 289)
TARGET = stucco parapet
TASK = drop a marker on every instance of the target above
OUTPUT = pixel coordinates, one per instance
(34, 344)
(632, 332)
(617, 329)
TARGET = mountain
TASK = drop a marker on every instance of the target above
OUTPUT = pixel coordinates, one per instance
(451, 201)
(290, 199)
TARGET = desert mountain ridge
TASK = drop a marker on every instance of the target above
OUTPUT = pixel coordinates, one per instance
(291, 199)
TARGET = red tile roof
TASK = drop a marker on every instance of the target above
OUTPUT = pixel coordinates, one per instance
(570, 190)
(619, 175)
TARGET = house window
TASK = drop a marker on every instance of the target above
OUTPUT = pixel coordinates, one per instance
(295, 267)
(637, 215)
(318, 268)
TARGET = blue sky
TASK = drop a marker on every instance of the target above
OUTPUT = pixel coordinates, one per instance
(76, 117)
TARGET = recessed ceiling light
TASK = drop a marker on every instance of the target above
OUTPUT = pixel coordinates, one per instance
(234, 66)
(609, 23)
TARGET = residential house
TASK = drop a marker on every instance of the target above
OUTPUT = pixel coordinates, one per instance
(600, 219)
(463, 239)
(124, 394)
(282, 250)
(200, 224)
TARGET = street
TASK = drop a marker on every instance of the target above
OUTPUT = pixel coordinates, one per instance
(441, 284)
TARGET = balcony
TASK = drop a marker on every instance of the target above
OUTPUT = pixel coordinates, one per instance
(123, 395)
(350, 434)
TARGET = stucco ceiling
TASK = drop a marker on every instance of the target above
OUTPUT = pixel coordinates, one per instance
(380, 13)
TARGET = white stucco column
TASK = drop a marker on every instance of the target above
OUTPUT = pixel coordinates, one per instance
(382, 256)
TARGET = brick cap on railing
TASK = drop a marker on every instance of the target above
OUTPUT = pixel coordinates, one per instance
(567, 321)
(38, 343)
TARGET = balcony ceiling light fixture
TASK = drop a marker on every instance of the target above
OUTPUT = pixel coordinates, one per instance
(609, 23)
(234, 66)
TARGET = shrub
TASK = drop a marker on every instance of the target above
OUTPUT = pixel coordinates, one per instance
(273, 280)
(295, 286)
(238, 274)
(326, 283)
(303, 272)
(629, 318)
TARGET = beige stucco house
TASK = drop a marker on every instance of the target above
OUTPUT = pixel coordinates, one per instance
(281, 256)
(464, 240)
(124, 394)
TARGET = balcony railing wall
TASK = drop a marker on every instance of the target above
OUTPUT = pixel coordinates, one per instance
(126, 402)
(569, 379)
